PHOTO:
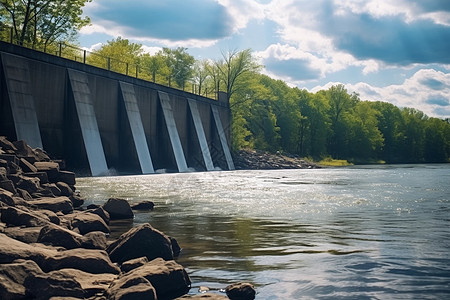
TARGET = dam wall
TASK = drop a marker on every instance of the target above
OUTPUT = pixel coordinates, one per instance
(98, 120)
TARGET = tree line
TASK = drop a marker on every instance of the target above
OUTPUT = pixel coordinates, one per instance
(267, 114)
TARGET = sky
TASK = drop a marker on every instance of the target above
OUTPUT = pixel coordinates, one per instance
(396, 51)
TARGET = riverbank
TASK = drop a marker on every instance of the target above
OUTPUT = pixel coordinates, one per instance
(52, 246)
(260, 160)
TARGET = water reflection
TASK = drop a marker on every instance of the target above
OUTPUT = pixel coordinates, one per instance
(365, 233)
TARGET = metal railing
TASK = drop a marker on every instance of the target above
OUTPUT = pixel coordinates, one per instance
(72, 52)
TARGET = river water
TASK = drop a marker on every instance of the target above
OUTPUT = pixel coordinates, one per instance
(365, 232)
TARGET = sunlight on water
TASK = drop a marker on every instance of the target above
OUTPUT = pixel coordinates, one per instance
(373, 232)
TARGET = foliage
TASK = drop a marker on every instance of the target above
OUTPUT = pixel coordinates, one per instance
(42, 22)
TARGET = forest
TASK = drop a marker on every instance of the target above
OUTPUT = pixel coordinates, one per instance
(267, 114)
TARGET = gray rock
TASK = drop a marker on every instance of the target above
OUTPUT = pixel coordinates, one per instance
(118, 209)
(22, 217)
(62, 204)
(87, 222)
(131, 288)
(240, 291)
(141, 241)
(133, 264)
(13, 276)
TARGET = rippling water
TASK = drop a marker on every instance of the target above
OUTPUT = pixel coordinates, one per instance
(376, 232)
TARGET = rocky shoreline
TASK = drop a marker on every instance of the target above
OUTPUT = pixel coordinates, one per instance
(52, 247)
(259, 160)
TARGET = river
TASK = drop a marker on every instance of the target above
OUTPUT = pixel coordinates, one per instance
(363, 232)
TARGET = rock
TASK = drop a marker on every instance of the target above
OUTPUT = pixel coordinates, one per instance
(86, 222)
(6, 144)
(66, 190)
(13, 276)
(144, 205)
(51, 215)
(41, 175)
(141, 241)
(67, 177)
(62, 204)
(27, 235)
(23, 149)
(93, 206)
(131, 288)
(12, 249)
(40, 155)
(6, 197)
(118, 209)
(21, 217)
(133, 264)
(51, 168)
(27, 166)
(55, 191)
(91, 284)
(240, 291)
(44, 286)
(100, 212)
(208, 296)
(24, 194)
(176, 249)
(30, 184)
(87, 260)
(94, 240)
(169, 278)
(58, 236)
(77, 201)
(8, 185)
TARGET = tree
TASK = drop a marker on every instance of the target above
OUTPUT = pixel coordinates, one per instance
(234, 66)
(43, 21)
(201, 74)
(179, 64)
(119, 55)
(155, 64)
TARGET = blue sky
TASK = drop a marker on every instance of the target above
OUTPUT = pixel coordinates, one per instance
(396, 51)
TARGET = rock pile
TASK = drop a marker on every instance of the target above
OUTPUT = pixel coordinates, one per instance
(51, 248)
(259, 160)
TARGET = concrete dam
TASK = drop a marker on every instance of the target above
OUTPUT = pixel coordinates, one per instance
(98, 120)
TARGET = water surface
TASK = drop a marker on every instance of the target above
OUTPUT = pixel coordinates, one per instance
(366, 232)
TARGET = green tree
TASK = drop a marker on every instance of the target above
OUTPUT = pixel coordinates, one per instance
(155, 65)
(179, 64)
(43, 21)
(119, 55)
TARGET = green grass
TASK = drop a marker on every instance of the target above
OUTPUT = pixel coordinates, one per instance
(330, 162)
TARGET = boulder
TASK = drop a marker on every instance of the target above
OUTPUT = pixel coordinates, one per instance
(22, 217)
(133, 264)
(58, 236)
(40, 155)
(141, 241)
(62, 204)
(27, 235)
(24, 194)
(8, 185)
(13, 276)
(44, 286)
(51, 168)
(87, 222)
(41, 175)
(240, 291)
(100, 212)
(118, 209)
(6, 144)
(29, 184)
(27, 166)
(169, 278)
(144, 205)
(51, 215)
(55, 191)
(91, 284)
(65, 189)
(77, 201)
(94, 240)
(6, 197)
(23, 149)
(87, 260)
(131, 288)
(67, 177)
(207, 296)
(12, 249)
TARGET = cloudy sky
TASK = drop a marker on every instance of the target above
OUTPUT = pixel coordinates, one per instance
(390, 50)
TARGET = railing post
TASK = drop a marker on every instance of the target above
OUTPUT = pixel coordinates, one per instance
(127, 69)
(109, 63)
(137, 71)
(60, 49)
(84, 56)
(11, 35)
